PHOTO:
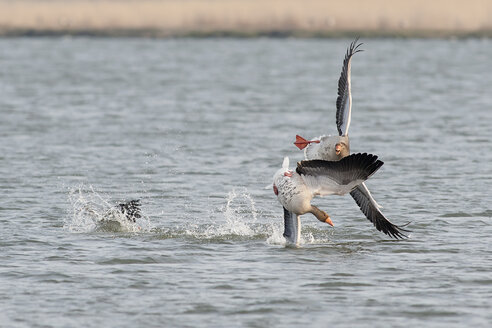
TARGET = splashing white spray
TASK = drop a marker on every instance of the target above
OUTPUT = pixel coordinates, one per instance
(92, 212)
(240, 214)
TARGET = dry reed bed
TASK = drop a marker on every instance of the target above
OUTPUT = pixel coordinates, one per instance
(246, 17)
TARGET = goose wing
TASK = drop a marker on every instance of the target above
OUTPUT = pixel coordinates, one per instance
(344, 100)
(131, 209)
(337, 177)
(370, 208)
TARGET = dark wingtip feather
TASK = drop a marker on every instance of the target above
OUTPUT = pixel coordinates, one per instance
(343, 81)
(131, 209)
(380, 222)
(368, 162)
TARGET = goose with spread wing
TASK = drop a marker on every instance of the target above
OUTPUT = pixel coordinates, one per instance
(334, 148)
(296, 189)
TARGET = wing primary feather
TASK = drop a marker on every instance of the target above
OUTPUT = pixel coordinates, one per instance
(358, 166)
(344, 99)
(374, 215)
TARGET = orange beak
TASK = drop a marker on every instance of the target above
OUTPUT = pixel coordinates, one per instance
(328, 220)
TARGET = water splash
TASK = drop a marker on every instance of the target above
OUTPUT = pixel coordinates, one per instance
(276, 237)
(238, 219)
(310, 237)
(240, 213)
(92, 211)
(242, 222)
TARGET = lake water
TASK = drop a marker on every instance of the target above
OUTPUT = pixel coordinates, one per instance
(196, 129)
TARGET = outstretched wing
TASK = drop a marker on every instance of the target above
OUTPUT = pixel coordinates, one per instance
(292, 227)
(338, 177)
(344, 100)
(370, 208)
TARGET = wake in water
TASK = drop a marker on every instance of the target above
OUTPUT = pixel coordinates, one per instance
(93, 212)
(238, 219)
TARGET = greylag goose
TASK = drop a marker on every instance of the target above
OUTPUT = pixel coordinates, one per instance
(296, 189)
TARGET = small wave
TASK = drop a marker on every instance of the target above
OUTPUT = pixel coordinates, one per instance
(486, 213)
(92, 211)
(456, 215)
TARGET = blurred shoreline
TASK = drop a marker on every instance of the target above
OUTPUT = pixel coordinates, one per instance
(247, 18)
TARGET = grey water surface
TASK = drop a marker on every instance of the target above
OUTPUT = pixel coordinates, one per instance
(196, 129)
